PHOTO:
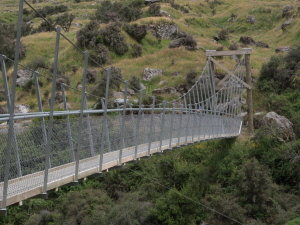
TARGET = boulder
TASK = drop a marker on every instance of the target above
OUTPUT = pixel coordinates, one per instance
(282, 49)
(165, 90)
(251, 19)
(262, 44)
(246, 40)
(23, 76)
(143, 87)
(164, 30)
(280, 125)
(76, 24)
(286, 23)
(21, 108)
(120, 101)
(286, 10)
(162, 83)
(129, 92)
(166, 14)
(149, 73)
(118, 94)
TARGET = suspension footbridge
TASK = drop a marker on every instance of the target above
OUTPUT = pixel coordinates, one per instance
(40, 151)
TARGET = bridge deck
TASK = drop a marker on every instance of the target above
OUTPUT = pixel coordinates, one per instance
(31, 185)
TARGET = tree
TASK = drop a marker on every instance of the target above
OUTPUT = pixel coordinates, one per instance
(65, 21)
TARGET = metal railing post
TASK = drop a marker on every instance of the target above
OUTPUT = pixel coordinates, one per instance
(68, 123)
(162, 126)
(50, 124)
(104, 122)
(8, 102)
(138, 126)
(12, 108)
(91, 141)
(82, 105)
(151, 126)
(123, 124)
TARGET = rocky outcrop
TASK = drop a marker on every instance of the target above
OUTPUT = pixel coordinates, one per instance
(164, 30)
(165, 90)
(143, 87)
(166, 14)
(279, 125)
(286, 10)
(251, 19)
(149, 73)
(23, 76)
(246, 40)
(282, 49)
(286, 23)
(262, 44)
(21, 108)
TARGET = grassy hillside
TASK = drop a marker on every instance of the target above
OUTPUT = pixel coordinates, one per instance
(204, 20)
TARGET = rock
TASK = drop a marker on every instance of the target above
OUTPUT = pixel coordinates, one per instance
(217, 38)
(30, 22)
(176, 43)
(3, 110)
(286, 10)
(21, 108)
(283, 49)
(262, 44)
(164, 30)
(79, 86)
(162, 83)
(149, 73)
(119, 101)
(148, 2)
(62, 105)
(76, 24)
(166, 14)
(176, 73)
(246, 40)
(143, 87)
(165, 90)
(251, 19)
(280, 125)
(23, 76)
(286, 23)
(118, 94)
(129, 92)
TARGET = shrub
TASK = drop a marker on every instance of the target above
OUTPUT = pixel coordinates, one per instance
(36, 63)
(135, 31)
(112, 37)
(135, 83)
(137, 50)
(116, 11)
(223, 34)
(87, 36)
(100, 54)
(50, 10)
(234, 46)
(91, 76)
(65, 21)
(154, 9)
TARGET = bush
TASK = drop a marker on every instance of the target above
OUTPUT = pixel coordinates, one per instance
(112, 37)
(50, 10)
(223, 34)
(154, 9)
(100, 54)
(137, 50)
(135, 83)
(87, 36)
(234, 46)
(116, 11)
(281, 72)
(135, 31)
(91, 76)
(65, 21)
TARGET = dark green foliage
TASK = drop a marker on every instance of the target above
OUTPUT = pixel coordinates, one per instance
(154, 9)
(184, 39)
(135, 83)
(116, 11)
(45, 26)
(65, 21)
(50, 10)
(7, 40)
(87, 36)
(91, 76)
(223, 34)
(281, 72)
(28, 85)
(135, 31)
(234, 46)
(111, 36)
(137, 50)
(177, 6)
(36, 63)
(100, 54)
